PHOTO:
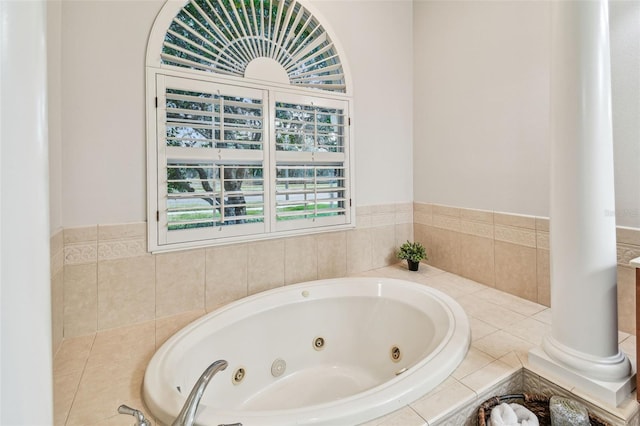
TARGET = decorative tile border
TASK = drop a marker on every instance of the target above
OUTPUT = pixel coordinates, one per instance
(520, 236)
(479, 229)
(384, 215)
(79, 253)
(450, 223)
(528, 231)
(527, 381)
(404, 213)
(627, 252)
(542, 240)
(120, 249)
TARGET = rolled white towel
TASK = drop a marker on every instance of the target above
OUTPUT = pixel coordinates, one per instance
(525, 416)
(512, 415)
(503, 415)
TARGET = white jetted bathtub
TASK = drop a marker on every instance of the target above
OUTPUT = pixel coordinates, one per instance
(330, 352)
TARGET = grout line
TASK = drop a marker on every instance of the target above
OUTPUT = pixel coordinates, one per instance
(77, 390)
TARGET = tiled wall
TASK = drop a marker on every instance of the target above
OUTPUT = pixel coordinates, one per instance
(628, 248)
(102, 276)
(57, 277)
(510, 252)
(109, 279)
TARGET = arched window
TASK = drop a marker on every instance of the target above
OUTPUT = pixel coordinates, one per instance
(249, 136)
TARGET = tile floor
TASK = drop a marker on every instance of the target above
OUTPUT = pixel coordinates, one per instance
(96, 373)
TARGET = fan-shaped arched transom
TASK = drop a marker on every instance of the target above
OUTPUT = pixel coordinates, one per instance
(225, 36)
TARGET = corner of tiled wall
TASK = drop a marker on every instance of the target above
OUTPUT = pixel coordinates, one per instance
(380, 230)
(80, 280)
(110, 280)
(510, 252)
(56, 254)
(628, 248)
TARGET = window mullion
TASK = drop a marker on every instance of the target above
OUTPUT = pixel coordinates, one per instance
(221, 107)
(222, 193)
(315, 193)
(248, 170)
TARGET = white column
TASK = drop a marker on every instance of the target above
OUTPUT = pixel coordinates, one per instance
(583, 345)
(26, 389)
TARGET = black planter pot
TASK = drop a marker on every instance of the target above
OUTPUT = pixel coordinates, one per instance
(413, 266)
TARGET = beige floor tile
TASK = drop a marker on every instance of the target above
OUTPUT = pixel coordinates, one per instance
(490, 313)
(501, 343)
(474, 361)
(489, 375)
(130, 347)
(452, 285)
(544, 316)
(437, 405)
(512, 359)
(523, 356)
(529, 329)
(65, 386)
(102, 390)
(73, 354)
(464, 284)
(402, 417)
(509, 301)
(480, 329)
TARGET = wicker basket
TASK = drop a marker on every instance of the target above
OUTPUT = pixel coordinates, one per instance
(537, 404)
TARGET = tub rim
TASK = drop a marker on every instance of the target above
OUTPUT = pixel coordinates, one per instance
(347, 409)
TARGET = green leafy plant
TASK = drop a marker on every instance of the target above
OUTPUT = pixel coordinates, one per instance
(414, 252)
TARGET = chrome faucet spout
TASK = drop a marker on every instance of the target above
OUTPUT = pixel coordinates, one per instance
(188, 413)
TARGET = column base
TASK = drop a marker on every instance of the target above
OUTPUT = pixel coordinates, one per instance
(611, 392)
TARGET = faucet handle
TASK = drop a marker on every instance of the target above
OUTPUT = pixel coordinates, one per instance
(140, 419)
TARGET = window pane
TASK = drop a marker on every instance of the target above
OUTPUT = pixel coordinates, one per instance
(309, 128)
(309, 191)
(208, 120)
(212, 195)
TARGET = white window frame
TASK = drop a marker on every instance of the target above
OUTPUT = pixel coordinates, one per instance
(158, 236)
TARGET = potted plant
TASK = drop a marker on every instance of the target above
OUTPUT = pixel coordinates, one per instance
(413, 253)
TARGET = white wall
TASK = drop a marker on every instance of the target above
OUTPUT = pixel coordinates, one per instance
(377, 37)
(54, 87)
(481, 101)
(103, 120)
(453, 102)
(624, 18)
(103, 117)
(481, 105)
